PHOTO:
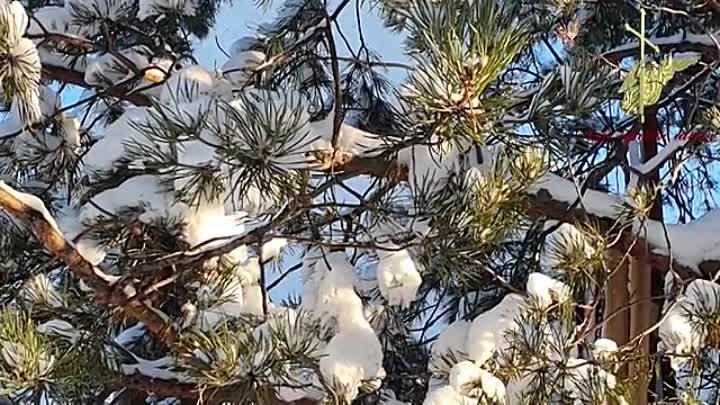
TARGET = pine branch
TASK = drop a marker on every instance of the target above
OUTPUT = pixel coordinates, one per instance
(541, 204)
(162, 388)
(334, 63)
(65, 75)
(50, 237)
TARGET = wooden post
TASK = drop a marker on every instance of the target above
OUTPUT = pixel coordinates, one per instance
(642, 316)
(646, 282)
(616, 311)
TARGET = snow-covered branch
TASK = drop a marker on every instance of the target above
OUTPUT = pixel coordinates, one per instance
(658, 160)
(192, 391)
(560, 199)
(670, 247)
(31, 211)
(705, 44)
(70, 76)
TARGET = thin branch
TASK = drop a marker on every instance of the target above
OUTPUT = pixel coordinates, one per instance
(335, 64)
(65, 75)
(49, 236)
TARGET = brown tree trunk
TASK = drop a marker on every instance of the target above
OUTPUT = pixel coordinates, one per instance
(132, 397)
(642, 316)
(645, 281)
(617, 313)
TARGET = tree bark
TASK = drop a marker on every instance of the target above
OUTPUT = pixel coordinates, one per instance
(132, 396)
(642, 316)
(645, 279)
(54, 242)
(617, 313)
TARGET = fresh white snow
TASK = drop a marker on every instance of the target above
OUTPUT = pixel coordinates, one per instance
(452, 342)
(398, 277)
(32, 202)
(546, 290)
(487, 331)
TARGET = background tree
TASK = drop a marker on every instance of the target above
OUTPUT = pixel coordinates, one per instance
(528, 219)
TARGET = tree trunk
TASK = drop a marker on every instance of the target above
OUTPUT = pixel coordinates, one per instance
(132, 397)
(617, 328)
(642, 316)
(645, 281)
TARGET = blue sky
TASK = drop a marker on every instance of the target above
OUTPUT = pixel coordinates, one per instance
(241, 17)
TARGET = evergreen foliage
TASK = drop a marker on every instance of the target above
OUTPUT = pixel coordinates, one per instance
(528, 217)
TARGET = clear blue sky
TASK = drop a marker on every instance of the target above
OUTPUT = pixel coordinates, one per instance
(242, 17)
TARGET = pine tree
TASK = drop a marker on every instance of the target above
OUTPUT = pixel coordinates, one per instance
(528, 218)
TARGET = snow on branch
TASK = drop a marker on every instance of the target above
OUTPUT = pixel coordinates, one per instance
(703, 43)
(30, 210)
(562, 200)
(174, 389)
(65, 75)
(680, 248)
(553, 197)
(658, 160)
